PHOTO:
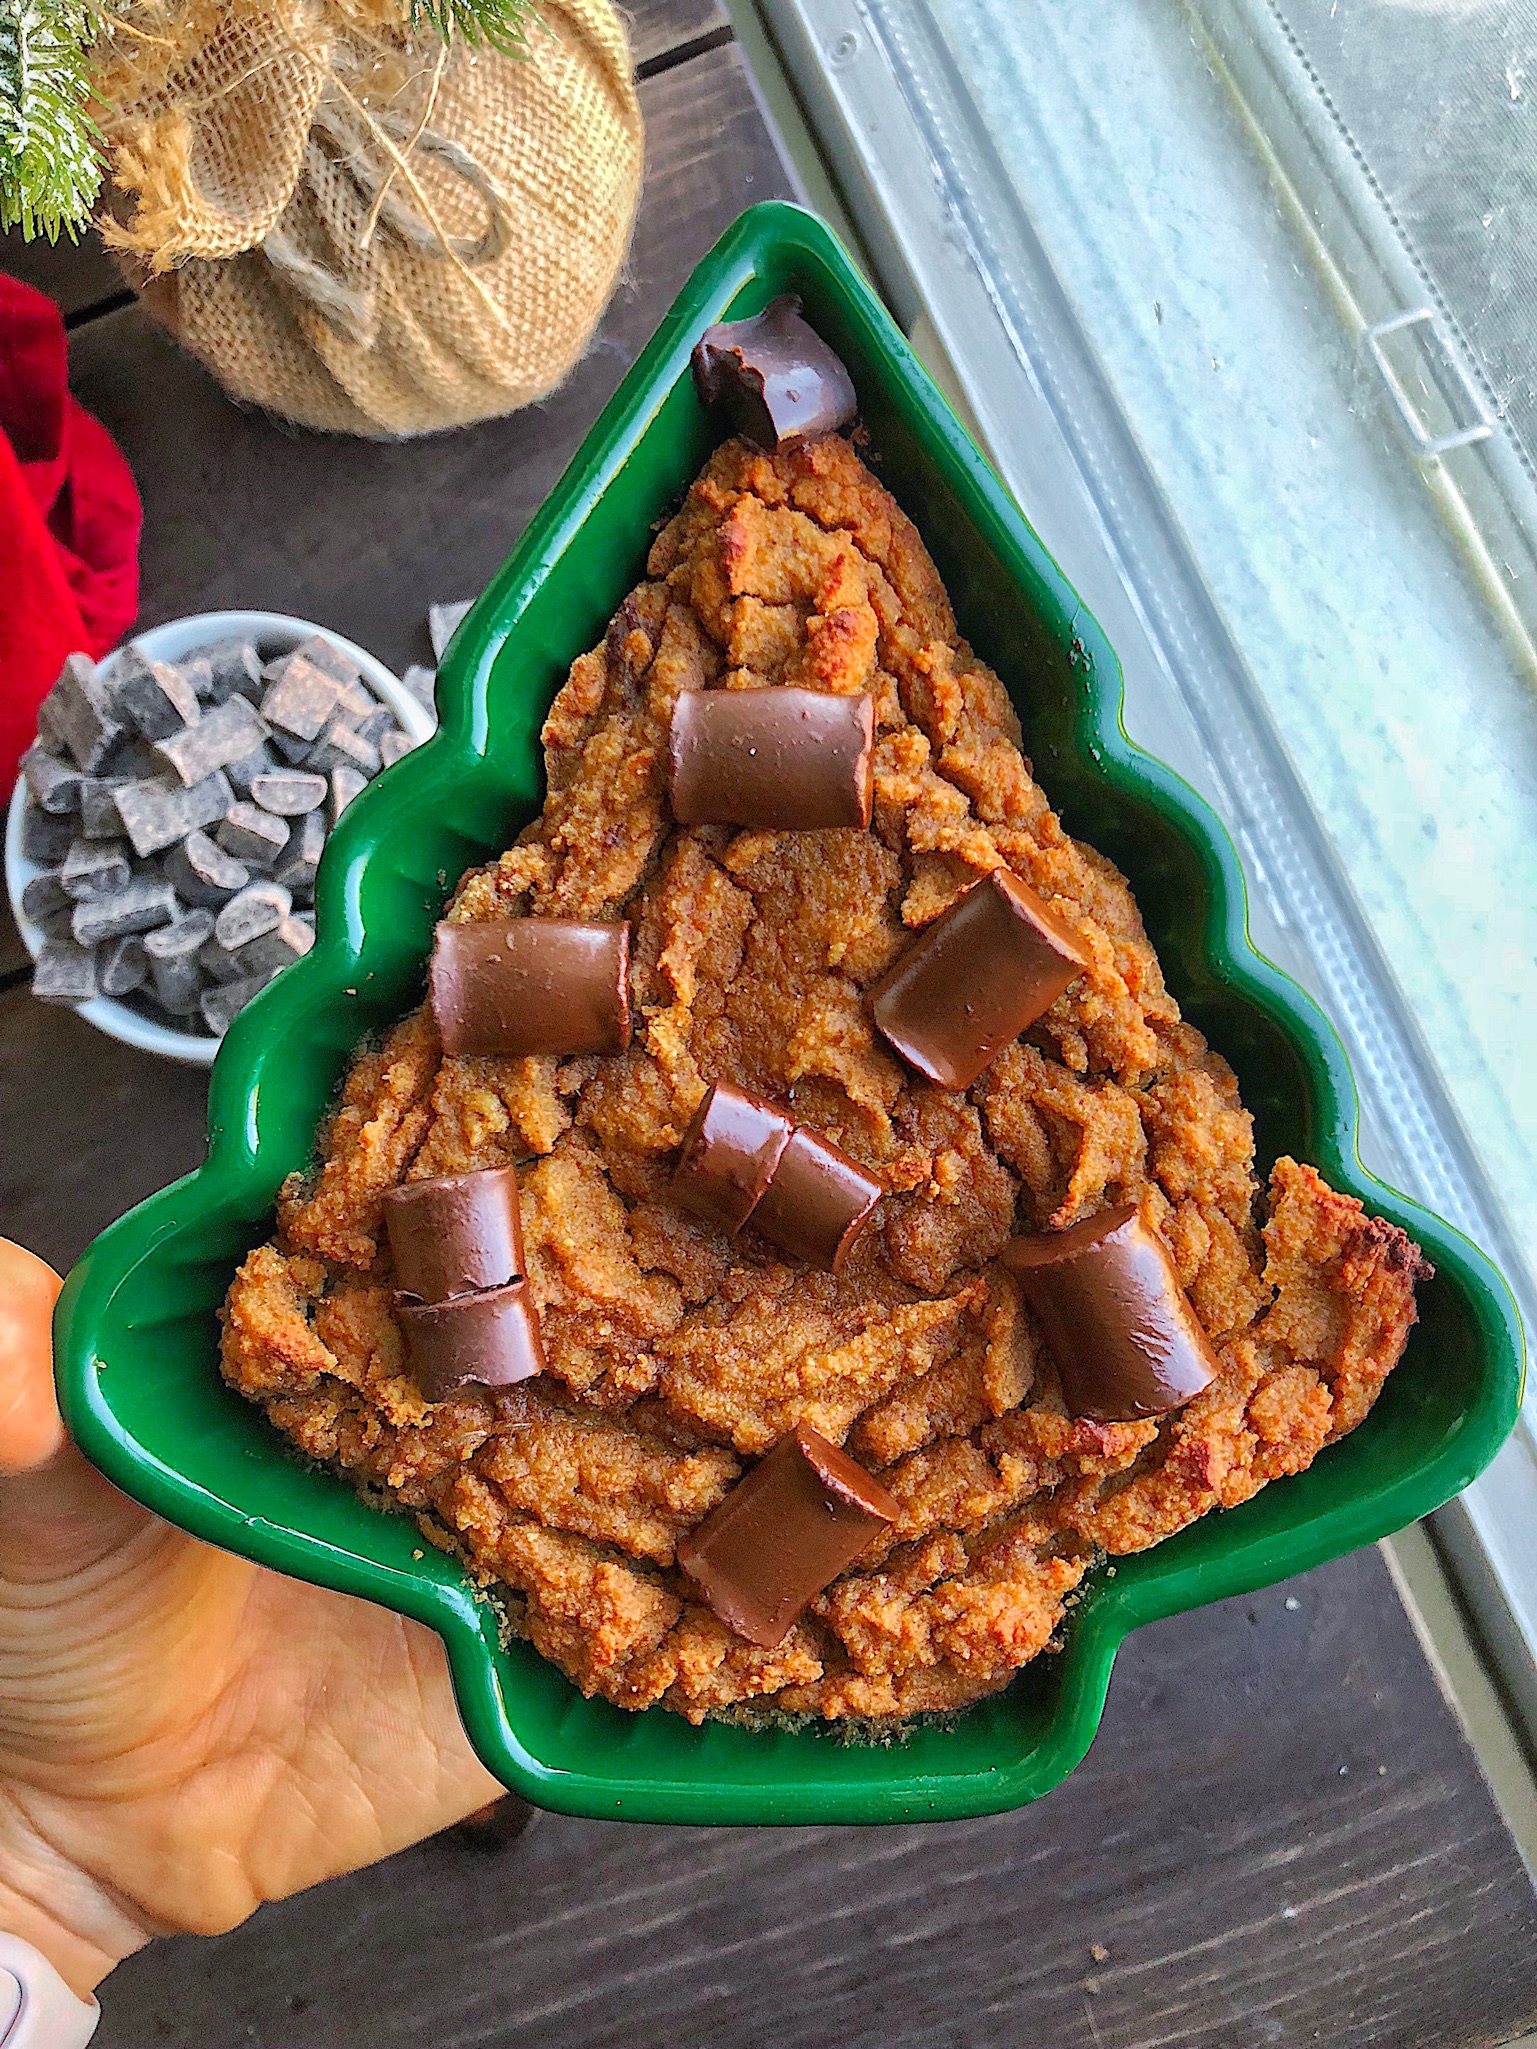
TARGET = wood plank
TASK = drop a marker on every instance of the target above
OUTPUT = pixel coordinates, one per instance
(73, 274)
(13, 955)
(658, 27)
(90, 1126)
(363, 536)
(1279, 1837)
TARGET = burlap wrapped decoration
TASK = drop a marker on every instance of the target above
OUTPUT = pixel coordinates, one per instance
(364, 230)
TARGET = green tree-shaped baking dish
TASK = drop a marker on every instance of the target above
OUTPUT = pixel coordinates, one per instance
(137, 1332)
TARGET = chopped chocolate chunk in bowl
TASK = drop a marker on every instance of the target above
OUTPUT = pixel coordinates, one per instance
(773, 1233)
(185, 801)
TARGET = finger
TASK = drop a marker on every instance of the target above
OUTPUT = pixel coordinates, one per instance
(31, 1428)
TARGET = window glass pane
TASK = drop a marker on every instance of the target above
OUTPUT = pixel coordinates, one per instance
(1207, 359)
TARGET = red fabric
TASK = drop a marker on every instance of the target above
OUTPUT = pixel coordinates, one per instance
(69, 520)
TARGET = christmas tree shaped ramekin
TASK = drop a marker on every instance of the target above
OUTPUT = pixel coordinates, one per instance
(137, 1330)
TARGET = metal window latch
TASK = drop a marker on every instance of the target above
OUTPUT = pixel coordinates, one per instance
(1460, 380)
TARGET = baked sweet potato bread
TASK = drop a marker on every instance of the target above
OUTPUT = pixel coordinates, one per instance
(675, 1354)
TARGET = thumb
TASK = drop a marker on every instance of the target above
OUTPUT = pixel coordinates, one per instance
(56, 1512)
(31, 1428)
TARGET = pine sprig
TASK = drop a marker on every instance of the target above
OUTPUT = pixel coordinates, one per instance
(504, 24)
(50, 152)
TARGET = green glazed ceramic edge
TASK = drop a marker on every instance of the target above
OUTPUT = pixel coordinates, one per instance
(779, 1777)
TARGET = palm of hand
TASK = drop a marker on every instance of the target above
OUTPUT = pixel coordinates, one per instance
(183, 1735)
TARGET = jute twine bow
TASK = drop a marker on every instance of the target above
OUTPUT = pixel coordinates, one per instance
(373, 150)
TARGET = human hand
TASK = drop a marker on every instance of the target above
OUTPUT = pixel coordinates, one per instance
(182, 1734)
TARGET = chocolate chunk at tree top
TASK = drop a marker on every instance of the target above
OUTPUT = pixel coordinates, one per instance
(773, 377)
(681, 1345)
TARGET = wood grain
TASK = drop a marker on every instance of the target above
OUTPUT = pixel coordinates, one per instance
(1278, 1838)
(659, 27)
(13, 955)
(75, 275)
(88, 1127)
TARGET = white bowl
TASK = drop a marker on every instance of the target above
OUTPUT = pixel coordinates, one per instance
(273, 632)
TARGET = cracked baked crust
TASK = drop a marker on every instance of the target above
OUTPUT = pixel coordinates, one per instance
(674, 1354)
